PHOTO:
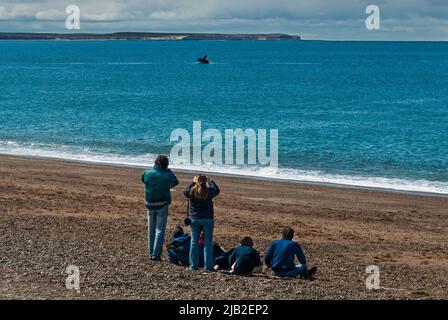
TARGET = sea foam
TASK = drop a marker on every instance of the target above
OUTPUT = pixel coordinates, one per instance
(286, 174)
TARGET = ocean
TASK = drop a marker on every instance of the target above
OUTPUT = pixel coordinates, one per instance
(371, 114)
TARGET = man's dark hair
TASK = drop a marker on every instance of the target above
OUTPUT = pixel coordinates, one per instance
(247, 241)
(288, 233)
(178, 232)
(162, 161)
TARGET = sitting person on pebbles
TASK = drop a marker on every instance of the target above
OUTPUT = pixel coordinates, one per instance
(280, 258)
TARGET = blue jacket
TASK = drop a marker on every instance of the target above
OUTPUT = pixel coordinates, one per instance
(202, 208)
(246, 258)
(181, 245)
(281, 254)
(158, 182)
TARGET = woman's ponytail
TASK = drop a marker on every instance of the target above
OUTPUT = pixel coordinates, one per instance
(199, 190)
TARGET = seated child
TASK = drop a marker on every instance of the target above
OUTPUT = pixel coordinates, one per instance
(179, 247)
(244, 258)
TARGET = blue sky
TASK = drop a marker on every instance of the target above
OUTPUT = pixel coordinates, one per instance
(317, 19)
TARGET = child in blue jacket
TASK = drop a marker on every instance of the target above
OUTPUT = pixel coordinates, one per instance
(280, 257)
(244, 258)
(179, 247)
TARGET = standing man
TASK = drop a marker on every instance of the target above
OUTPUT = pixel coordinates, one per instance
(158, 182)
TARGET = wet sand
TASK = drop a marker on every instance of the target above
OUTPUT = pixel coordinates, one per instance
(57, 213)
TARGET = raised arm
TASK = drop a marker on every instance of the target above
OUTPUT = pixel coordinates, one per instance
(187, 190)
(144, 177)
(174, 181)
(213, 188)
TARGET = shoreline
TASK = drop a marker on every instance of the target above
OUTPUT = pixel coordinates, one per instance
(240, 176)
(149, 36)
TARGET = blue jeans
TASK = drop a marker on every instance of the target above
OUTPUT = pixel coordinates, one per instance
(299, 270)
(206, 226)
(156, 231)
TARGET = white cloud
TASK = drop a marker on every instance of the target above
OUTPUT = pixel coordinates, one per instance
(4, 15)
(166, 15)
(51, 14)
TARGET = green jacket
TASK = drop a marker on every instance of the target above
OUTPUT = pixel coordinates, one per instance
(158, 182)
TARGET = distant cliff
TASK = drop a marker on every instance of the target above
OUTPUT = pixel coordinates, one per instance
(145, 36)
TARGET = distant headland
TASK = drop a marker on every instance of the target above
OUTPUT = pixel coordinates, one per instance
(145, 36)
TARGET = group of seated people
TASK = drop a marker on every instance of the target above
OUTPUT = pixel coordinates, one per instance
(244, 259)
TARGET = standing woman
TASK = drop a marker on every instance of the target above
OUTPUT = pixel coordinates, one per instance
(200, 194)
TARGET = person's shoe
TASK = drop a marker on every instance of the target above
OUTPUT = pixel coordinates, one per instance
(227, 271)
(216, 267)
(193, 269)
(310, 272)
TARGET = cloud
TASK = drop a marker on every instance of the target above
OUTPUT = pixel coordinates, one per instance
(320, 19)
(50, 14)
(165, 15)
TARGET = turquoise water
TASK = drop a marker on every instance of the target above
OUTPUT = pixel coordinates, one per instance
(363, 113)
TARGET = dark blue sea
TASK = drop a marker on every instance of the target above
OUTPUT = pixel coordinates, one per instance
(359, 113)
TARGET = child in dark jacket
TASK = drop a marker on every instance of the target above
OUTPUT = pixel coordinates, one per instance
(179, 247)
(244, 258)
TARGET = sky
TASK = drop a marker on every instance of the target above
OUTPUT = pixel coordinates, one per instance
(313, 19)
